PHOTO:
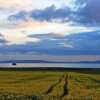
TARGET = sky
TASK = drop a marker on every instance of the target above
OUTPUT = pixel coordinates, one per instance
(70, 27)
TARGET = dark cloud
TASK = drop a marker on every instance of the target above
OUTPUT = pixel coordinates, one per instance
(47, 14)
(50, 13)
(80, 41)
(83, 43)
(87, 41)
(89, 14)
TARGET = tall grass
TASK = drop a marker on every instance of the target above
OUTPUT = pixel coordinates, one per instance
(47, 85)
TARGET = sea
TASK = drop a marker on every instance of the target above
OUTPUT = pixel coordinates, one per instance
(36, 65)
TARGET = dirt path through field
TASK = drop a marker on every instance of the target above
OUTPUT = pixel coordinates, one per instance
(63, 82)
(53, 86)
(65, 86)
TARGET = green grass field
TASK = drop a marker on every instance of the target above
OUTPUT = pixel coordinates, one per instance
(49, 85)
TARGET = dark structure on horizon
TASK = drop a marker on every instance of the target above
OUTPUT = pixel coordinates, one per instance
(14, 63)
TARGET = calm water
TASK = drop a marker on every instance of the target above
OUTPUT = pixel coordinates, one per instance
(69, 65)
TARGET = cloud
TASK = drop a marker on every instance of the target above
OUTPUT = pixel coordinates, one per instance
(50, 26)
(11, 38)
(66, 45)
(89, 14)
(51, 13)
(85, 12)
(2, 40)
(86, 43)
(1, 35)
(16, 4)
(19, 16)
(30, 4)
(37, 26)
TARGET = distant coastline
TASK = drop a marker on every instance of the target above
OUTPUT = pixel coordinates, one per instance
(43, 61)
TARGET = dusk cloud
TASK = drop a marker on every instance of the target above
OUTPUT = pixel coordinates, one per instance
(51, 13)
(74, 44)
(89, 14)
(51, 26)
(85, 12)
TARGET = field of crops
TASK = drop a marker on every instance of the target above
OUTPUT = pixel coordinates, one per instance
(49, 85)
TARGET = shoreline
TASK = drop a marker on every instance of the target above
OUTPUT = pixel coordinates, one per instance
(49, 69)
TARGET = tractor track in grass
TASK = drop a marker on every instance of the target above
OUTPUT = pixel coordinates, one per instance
(65, 87)
(51, 88)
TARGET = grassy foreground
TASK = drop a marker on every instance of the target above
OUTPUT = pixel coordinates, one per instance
(49, 85)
